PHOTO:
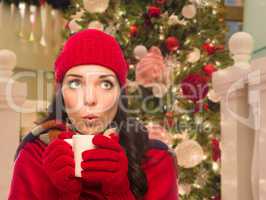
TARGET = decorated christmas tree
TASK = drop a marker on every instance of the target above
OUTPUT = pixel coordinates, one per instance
(172, 48)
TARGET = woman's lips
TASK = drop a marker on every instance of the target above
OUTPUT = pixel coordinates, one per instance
(90, 117)
(91, 122)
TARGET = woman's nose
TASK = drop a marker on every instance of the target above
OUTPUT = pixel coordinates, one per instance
(90, 96)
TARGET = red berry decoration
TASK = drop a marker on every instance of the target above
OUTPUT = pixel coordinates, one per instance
(194, 87)
(216, 151)
(154, 11)
(133, 30)
(170, 119)
(209, 69)
(172, 43)
(199, 106)
(206, 107)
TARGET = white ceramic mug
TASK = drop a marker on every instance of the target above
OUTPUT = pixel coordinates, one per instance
(79, 144)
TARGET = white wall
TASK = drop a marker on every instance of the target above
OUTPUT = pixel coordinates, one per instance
(254, 23)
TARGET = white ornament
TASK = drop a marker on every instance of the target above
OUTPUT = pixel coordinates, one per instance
(213, 96)
(207, 126)
(189, 11)
(198, 119)
(173, 20)
(194, 56)
(189, 153)
(96, 25)
(140, 51)
(96, 6)
(184, 189)
(159, 90)
(74, 26)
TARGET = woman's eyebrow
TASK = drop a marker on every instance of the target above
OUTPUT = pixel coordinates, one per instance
(102, 76)
(75, 75)
(106, 75)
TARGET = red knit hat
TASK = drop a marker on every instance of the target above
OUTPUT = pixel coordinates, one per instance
(91, 46)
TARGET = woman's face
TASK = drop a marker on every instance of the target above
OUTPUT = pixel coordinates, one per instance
(90, 91)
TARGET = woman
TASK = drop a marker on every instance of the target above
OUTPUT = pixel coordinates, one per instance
(90, 75)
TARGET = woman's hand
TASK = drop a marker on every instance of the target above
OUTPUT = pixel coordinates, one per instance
(107, 164)
(59, 164)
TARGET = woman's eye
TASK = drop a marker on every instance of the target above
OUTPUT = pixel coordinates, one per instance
(107, 84)
(74, 84)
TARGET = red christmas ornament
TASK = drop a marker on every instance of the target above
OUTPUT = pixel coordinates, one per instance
(170, 114)
(154, 11)
(172, 43)
(133, 30)
(218, 197)
(194, 87)
(209, 69)
(209, 48)
(216, 151)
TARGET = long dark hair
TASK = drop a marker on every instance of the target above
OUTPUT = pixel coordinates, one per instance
(133, 138)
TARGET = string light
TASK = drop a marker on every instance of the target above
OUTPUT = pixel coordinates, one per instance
(161, 37)
(131, 66)
(121, 12)
(196, 185)
(217, 63)
(215, 166)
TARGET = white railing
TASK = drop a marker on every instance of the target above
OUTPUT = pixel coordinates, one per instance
(242, 88)
(11, 93)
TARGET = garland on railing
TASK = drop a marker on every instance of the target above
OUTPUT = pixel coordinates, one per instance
(259, 50)
(56, 4)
